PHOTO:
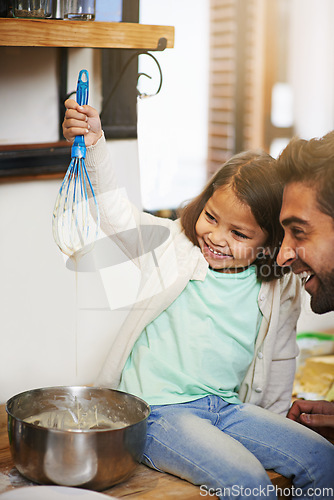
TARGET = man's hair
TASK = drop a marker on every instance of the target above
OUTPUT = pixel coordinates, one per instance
(312, 163)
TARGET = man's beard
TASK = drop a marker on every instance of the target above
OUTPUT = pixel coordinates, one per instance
(323, 300)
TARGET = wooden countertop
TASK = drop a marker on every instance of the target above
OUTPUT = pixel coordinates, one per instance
(144, 484)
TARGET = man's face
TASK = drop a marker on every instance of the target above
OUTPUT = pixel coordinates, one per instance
(308, 245)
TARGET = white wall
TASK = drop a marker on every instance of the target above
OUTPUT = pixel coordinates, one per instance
(311, 66)
(28, 95)
(173, 154)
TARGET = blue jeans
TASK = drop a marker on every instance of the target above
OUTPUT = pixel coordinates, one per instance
(225, 449)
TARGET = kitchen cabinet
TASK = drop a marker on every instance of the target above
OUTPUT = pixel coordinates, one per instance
(58, 33)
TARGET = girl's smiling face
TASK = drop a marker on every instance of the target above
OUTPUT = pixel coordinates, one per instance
(228, 234)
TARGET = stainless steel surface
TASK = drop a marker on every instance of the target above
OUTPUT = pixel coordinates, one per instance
(57, 9)
(95, 459)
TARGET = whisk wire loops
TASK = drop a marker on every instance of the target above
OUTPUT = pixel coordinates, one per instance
(74, 217)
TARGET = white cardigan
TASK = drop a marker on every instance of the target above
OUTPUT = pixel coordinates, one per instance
(164, 274)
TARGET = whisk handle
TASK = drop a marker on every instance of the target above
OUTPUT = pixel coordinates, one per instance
(79, 147)
(82, 87)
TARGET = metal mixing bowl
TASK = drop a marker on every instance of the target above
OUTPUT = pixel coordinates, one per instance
(94, 458)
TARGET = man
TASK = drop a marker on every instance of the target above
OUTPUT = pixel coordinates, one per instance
(307, 216)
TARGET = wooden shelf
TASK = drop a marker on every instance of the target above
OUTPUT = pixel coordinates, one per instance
(59, 33)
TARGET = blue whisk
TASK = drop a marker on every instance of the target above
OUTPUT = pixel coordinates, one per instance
(76, 219)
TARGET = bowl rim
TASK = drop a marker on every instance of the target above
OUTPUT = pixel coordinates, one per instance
(76, 431)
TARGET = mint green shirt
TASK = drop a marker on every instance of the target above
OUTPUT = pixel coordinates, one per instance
(202, 344)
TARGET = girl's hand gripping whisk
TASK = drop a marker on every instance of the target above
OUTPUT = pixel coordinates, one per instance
(76, 218)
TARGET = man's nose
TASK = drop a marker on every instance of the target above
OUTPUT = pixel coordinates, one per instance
(286, 255)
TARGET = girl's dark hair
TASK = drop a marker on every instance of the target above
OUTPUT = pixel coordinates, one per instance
(252, 175)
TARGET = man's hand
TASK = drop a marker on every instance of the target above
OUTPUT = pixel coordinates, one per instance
(318, 415)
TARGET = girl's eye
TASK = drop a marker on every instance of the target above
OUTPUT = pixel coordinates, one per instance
(209, 216)
(240, 235)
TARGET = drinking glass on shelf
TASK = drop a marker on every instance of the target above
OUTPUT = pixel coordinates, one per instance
(79, 10)
(31, 9)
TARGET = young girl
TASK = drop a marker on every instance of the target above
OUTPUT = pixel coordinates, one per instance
(213, 352)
